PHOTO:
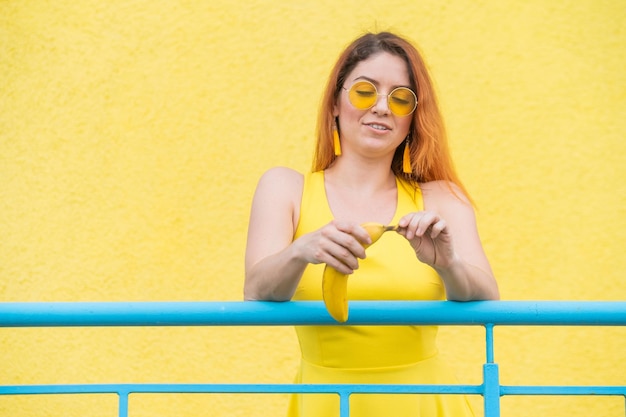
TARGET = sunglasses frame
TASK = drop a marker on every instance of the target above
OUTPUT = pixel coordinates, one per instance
(378, 95)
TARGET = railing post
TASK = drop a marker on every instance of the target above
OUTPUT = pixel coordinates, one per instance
(123, 404)
(492, 390)
(491, 377)
(344, 404)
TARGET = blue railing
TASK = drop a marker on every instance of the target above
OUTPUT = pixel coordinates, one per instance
(487, 314)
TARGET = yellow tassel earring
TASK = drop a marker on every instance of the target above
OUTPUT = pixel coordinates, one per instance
(406, 158)
(336, 143)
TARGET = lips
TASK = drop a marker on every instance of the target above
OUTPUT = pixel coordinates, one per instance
(378, 126)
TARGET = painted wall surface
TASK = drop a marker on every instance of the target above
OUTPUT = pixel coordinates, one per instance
(132, 135)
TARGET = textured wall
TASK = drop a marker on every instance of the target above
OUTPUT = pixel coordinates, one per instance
(132, 134)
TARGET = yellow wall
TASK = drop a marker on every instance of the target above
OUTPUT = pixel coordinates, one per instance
(132, 134)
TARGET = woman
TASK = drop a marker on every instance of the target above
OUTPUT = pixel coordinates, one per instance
(381, 157)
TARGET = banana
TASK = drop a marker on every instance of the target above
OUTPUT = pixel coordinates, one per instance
(335, 284)
(335, 292)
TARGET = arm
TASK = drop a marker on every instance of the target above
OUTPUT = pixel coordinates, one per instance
(445, 237)
(274, 261)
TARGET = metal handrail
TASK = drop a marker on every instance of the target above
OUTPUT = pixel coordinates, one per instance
(235, 313)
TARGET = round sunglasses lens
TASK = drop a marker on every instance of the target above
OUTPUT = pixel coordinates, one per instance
(363, 95)
(402, 101)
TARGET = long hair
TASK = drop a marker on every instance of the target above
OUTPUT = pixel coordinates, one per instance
(428, 143)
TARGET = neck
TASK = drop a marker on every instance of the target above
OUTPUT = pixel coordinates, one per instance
(363, 175)
(361, 192)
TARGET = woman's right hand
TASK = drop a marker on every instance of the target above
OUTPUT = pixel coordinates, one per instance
(338, 244)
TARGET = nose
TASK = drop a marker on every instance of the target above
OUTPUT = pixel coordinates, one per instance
(381, 106)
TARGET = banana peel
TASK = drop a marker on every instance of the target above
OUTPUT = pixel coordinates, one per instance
(335, 284)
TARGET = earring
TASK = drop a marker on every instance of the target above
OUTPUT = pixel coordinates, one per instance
(336, 143)
(406, 158)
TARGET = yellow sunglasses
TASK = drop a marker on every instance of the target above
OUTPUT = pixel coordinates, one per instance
(363, 95)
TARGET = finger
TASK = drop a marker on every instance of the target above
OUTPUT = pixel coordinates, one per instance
(343, 247)
(353, 236)
(404, 222)
(437, 228)
(426, 223)
(356, 231)
(342, 260)
(404, 225)
(417, 225)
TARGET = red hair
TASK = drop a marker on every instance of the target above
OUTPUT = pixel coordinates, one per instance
(430, 155)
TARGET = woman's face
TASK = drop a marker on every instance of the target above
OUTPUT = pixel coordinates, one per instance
(376, 131)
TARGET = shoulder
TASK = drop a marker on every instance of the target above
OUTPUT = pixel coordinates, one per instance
(277, 194)
(439, 195)
(282, 175)
(280, 182)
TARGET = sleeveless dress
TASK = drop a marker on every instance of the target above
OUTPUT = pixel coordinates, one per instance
(372, 354)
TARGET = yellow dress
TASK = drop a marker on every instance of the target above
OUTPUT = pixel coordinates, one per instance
(372, 354)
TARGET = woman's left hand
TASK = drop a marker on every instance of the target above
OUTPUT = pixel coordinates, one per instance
(430, 237)
(445, 237)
